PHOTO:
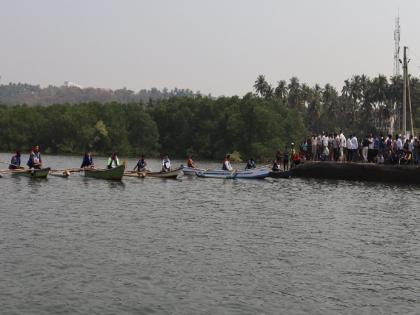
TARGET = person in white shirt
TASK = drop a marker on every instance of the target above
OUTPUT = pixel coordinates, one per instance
(354, 148)
(324, 140)
(166, 164)
(349, 147)
(399, 143)
(226, 164)
(336, 147)
(371, 148)
(342, 145)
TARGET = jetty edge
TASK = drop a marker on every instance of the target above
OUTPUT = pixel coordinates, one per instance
(402, 174)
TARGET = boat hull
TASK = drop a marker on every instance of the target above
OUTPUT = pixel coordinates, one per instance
(107, 174)
(168, 175)
(191, 171)
(280, 174)
(33, 173)
(247, 174)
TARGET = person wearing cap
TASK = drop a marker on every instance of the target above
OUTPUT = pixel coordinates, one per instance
(15, 161)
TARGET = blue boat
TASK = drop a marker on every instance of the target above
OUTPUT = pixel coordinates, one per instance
(247, 174)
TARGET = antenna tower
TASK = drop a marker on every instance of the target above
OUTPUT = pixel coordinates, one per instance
(397, 46)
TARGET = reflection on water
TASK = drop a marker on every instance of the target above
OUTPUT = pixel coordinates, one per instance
(207, 246)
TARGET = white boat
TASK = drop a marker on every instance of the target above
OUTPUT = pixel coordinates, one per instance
(246, 174)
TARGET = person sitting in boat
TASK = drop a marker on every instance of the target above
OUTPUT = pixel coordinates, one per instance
(15, 161)
(276, 166)
(35, 160)
(190, 162)
(113, 161)
(87, 160)
(226, 164)
(141, 164)
(166, 164)
(250, 164)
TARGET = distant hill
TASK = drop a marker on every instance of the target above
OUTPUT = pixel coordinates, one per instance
(21, 93)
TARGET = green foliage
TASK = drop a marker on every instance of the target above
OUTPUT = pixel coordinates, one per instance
(255, 125)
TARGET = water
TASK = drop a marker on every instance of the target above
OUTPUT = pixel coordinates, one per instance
(206, 246)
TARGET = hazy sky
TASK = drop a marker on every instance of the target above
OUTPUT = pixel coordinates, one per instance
(214, 46)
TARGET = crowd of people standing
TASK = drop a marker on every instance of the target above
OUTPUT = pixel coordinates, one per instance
(373, 149)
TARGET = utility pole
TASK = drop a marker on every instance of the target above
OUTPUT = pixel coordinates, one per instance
(404, 124)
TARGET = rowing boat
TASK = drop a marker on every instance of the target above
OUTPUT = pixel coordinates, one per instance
(32, 173)
(115, 173)
(247, 174)
(191, 171)
(169, 175)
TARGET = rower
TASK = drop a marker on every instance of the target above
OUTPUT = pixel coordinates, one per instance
(190, 162)
(113, 161)
(15, 161)
(250, 164)
(276, 166)
(166, 164)
(87, 160)
(226, 164)
(141, 164)
(35, 160)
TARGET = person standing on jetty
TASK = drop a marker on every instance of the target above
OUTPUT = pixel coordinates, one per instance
(399, 146)
(314, 146)
(286, 159)
(354, 148)
(342, 147)
(371, 145)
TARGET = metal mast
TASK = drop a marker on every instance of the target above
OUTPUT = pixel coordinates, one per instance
(397, 46)
(404, 122)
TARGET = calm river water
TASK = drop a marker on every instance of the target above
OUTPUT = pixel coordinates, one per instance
(206, 246)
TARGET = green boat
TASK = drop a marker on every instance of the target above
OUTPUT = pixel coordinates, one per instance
(33, 173)
(115, 173)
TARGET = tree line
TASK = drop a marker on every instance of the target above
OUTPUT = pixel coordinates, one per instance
(255, 125)
(20, 93)
(204, 127)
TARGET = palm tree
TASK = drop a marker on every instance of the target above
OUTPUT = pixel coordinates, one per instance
(294, 96)
(261, 85)
(280, 91)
